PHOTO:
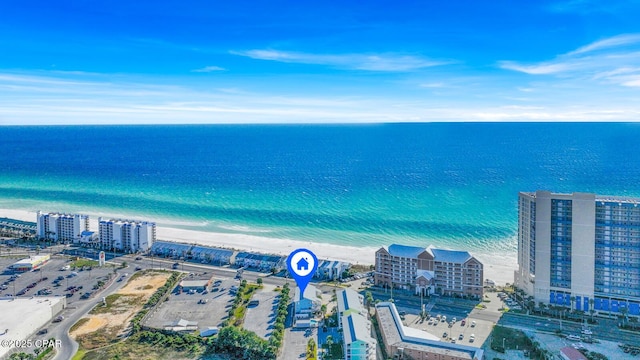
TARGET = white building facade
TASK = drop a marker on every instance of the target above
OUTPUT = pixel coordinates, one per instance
(126, 235)
(61, 227)
(580, 250)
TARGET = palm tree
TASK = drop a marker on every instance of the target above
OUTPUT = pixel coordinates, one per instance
(542, 306)
(624, 311)
(329, 342)
(369, 299)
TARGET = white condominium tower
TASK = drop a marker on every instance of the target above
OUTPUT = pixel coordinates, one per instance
(61, 227)
(580, 250)
(126, 235)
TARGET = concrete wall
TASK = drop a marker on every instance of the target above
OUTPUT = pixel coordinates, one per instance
(583, 236)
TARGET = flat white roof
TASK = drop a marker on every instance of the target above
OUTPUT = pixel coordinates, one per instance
(30, 260)
(23, 316)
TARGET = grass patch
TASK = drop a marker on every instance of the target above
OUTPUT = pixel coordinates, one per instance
(512, 339)
(117, 304)
(148, 272)
(138, 347)
(78, 324)
(97, 339)
(79, 355)
(100, 309)
(83, 262)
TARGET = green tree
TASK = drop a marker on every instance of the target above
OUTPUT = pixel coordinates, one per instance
(329, 343)
(259, 281)
(542, 306)
(312, 349)
(368, 297)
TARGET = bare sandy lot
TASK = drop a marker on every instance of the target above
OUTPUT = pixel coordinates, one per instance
(121, 306)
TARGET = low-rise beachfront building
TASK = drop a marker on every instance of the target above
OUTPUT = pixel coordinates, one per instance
(331, 270)
(17, 228)
(353, 320)
(61, 227)
(350, 302)
(210, 255)
(126, 235)
(429, 270)
(358, 343)
(170, 249)
(401, 342)
(306, 305)
(580, 250)
(259, 262)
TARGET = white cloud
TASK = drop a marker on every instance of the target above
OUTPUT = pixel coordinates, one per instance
(613, 60)
(208, 69)
(612, 42)
(83, 99)
(368, 62)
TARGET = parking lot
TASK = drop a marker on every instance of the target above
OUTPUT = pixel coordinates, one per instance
(51, 280)
(261, 317)
(207, 309)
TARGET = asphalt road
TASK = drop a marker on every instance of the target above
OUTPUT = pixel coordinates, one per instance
(72, 314)
(604, 330)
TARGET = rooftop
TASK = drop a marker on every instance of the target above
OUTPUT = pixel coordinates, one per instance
(310, 293)
(350, 300)
(356, 328)
(194, 283)
(400, 336)
(23, 316)
(451, 256)
(405, 251)
(426, 273)
(572, 354)
(259, 257)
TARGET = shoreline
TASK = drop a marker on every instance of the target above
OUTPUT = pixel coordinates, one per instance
(500, 269)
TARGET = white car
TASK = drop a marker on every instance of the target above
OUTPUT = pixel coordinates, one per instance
(473, 324)
(472, 338)
(587, 332)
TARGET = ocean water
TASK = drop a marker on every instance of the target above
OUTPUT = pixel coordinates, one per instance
(453, 185)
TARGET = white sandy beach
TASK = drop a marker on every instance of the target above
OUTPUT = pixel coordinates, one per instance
(497, 268)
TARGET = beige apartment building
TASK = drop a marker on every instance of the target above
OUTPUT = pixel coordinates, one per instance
(429, 270)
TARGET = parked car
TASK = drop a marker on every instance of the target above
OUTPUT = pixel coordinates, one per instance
(43, 331)
(472, 338)
(138, 257)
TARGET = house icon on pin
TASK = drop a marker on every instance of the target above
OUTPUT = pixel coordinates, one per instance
(302, 264)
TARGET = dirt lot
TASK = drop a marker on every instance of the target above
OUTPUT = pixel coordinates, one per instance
(112, 319)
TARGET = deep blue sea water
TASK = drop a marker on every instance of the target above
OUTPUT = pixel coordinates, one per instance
(447, 184)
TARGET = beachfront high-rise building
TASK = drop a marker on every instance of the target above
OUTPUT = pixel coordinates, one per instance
(126, 235)
(580, 250)
(61, 227)
(429, 270)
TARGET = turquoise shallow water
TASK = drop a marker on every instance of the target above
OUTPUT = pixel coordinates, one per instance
(452, 185)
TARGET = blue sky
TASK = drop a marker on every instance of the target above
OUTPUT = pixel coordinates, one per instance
(100, 62)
